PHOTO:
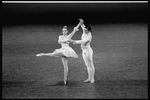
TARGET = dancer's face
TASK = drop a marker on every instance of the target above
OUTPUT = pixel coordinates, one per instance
(64, 31)
(86, 30)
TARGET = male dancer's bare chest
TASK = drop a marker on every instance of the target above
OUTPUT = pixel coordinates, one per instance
(85, 44)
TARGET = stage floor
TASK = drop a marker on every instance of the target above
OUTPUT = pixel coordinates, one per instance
(120, 59)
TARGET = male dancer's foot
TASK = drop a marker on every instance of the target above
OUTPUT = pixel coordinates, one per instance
(92, 80)
(87, 80)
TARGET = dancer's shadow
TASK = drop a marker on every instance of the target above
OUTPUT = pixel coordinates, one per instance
(70, 83)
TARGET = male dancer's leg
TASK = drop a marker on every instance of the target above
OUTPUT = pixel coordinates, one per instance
(91, 65)
(84, 55)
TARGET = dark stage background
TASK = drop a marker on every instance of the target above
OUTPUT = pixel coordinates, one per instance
(94, 13)
(120, 45)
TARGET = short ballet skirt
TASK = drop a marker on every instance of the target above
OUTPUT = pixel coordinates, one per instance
(67, 51)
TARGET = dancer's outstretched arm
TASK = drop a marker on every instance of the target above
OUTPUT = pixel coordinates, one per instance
(75, 30)
(85, 40)
(79, 41)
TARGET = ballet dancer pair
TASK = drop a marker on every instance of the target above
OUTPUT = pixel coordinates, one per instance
(66, 51)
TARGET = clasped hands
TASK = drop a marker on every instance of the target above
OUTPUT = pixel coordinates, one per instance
(80, 23)
(76, 29)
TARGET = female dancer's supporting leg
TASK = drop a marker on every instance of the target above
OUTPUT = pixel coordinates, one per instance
(64, 61)
(65, 64)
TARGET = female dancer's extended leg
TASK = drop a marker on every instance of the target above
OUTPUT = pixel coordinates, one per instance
(56, 54)
(65, 63)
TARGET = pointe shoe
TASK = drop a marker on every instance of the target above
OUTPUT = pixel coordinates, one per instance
(38, 55)
(65, 81)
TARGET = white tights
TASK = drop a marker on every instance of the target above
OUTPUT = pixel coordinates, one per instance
(65, 63)
(87, 57)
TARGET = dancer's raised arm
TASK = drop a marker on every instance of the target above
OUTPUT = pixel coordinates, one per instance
(82, 24)
(79, 41)
(75, 29)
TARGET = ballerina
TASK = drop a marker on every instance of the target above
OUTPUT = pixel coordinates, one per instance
(65, 51)
(87, 52)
